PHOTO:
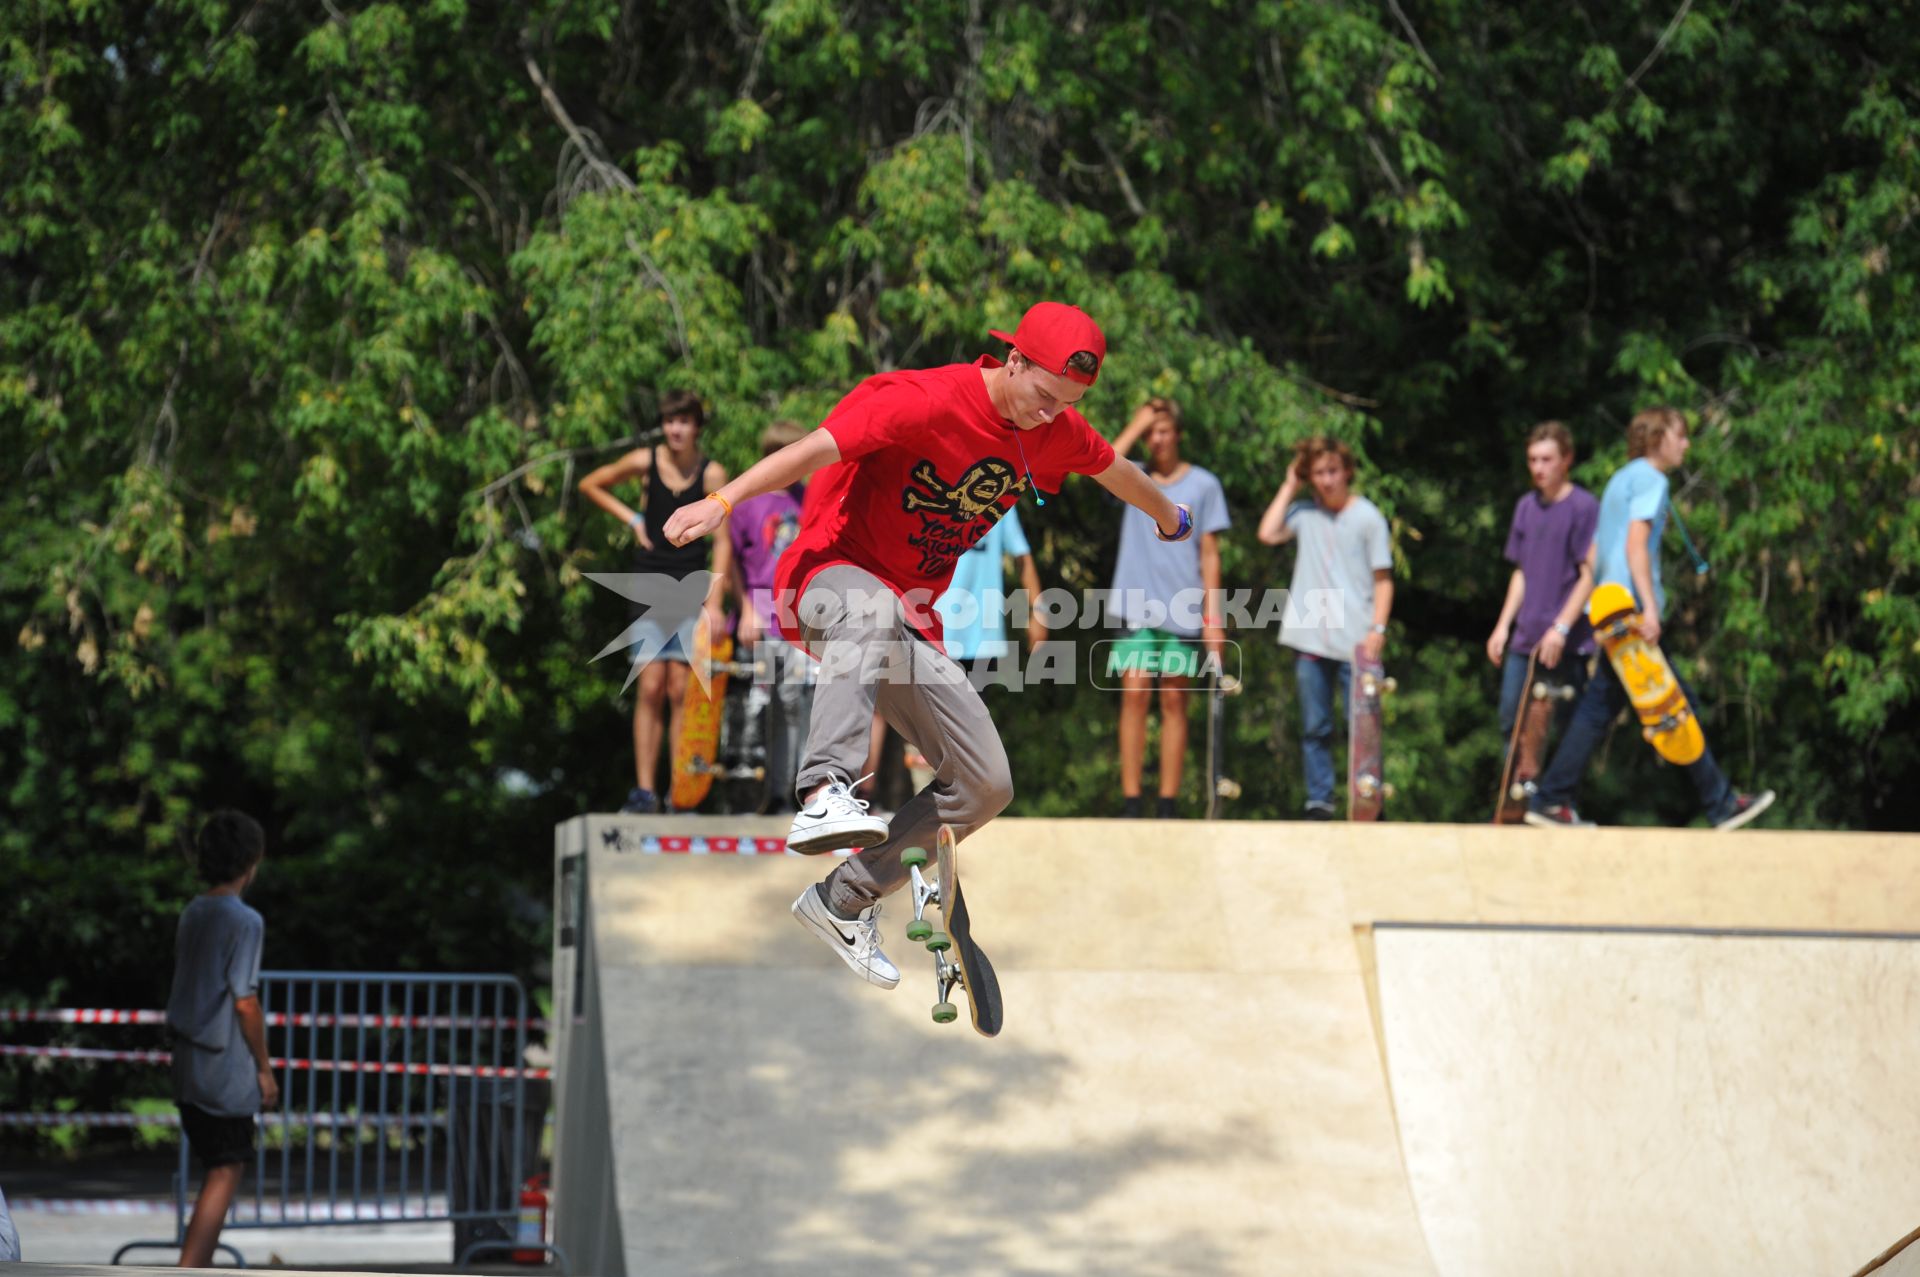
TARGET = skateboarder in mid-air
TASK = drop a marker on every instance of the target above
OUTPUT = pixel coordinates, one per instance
(918, 465)
(1633, 513)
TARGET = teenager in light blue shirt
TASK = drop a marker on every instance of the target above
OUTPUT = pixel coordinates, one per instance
(973, 611)
(1633, 513)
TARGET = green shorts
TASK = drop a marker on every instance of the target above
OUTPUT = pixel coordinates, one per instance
(1156, 652)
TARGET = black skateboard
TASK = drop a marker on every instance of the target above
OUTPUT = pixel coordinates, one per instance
(957, 960)
(1219, 785)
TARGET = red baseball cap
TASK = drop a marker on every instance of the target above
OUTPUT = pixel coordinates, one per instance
(1051, 333)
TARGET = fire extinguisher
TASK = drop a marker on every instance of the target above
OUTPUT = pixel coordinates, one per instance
(532, 1230)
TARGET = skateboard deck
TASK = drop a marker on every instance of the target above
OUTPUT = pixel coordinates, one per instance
(1666, 719)
(1219, 786)
(957, 960)
(696, 751)
(1367, 789)
(1526, 752)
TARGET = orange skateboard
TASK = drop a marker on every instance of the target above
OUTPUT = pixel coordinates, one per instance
(696, 752)
(1666, 719)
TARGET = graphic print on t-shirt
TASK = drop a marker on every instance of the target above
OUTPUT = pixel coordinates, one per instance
(950, 512)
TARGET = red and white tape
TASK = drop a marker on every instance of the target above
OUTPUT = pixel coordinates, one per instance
(129, 1120)
(279, 1019)
(390, 1210)
(344, 1066)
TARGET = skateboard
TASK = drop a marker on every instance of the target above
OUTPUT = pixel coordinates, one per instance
(696, 752)
(1666, 720)
(1367, 789)
(957, 960)
(1527, 749)
(1219, 786)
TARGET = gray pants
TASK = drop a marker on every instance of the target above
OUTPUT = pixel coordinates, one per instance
(870, 658)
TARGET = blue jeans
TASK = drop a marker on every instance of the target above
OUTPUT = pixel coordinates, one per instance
(1320, 680)
(1572, 672)
(1598, 706)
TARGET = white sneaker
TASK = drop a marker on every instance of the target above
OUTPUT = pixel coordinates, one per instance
(835, 819)
(857, 941)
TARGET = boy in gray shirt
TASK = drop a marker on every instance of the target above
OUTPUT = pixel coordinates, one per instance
(1341, 598)
(222, 1076)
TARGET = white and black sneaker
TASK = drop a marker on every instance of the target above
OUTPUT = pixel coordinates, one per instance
(834, 818)
(1745, 808)
(856, 940)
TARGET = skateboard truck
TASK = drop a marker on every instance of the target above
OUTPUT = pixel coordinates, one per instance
(1371, 785)
(1371, 686)
(946, 972)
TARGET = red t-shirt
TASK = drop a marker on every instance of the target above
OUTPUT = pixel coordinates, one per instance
(927, 466)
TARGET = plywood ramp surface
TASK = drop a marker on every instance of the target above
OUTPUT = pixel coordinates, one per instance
(1191, 1079)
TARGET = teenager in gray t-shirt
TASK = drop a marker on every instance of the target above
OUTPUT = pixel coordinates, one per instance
(1341, 598)
(216, 963)
(1166, 594)
(222, 1075)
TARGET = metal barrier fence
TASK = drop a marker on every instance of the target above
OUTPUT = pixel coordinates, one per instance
(413, 1103)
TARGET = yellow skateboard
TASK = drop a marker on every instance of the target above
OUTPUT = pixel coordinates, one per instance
(696, 752)
(1666, 720)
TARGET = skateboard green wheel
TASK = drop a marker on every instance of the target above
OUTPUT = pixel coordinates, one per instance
(913, 858)
(919, 929)
(945, 1013)
(939, 942)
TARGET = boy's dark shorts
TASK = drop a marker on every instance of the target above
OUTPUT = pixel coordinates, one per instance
(216, 1140)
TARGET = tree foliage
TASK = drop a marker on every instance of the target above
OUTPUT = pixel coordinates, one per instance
(309, 319)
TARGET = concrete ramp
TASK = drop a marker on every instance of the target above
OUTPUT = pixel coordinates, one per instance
(1214, 1058)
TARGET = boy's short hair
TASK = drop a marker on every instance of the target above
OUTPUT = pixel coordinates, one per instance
(1310, 450)
(1171, 407)
(1649, 427)
(231, 842)
(683, 403)
(779, 434)
(1555, 432)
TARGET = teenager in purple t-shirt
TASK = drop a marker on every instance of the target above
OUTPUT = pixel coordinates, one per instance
(1550, 545)
(761, 527)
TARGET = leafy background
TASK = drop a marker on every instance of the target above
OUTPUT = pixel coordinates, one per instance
(311, 318)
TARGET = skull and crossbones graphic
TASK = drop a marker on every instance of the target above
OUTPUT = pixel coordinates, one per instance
(953, 517)
(978, 492)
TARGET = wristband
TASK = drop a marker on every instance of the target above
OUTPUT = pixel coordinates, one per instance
(1564, 631)
(1378, 629)
(635, 519)
(724, 503)
(1217, 622)
(1183, 531)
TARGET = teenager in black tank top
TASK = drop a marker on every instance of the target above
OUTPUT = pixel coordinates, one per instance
(676, 561)
(663, 679)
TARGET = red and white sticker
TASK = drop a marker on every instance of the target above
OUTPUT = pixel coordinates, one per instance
(628, 841)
